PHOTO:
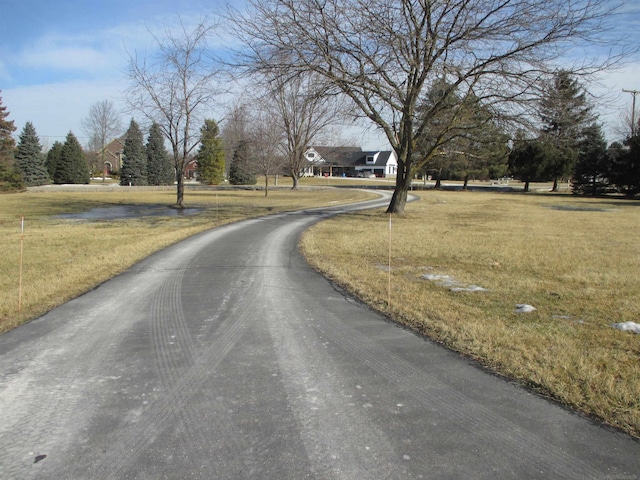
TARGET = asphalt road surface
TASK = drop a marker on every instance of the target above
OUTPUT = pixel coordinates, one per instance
(226, 357)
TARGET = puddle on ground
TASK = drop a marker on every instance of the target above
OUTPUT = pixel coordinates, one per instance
(572, 208)
(129, 211)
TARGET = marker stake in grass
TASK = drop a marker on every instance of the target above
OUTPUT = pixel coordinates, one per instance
(20, 276)
(389, 285)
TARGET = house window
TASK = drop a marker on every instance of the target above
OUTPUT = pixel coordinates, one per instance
(370, 159)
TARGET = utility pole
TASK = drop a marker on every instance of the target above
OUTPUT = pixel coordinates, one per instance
(633, 110)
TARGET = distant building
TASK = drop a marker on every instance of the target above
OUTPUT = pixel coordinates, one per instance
(191, 169)
(110, 158)
(350, 162)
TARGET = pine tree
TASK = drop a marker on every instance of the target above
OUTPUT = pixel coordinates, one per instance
(239, 172)
(53, 158)
(10, 177)
(134, 162)
(565, 114)
(29, 158)
(7, 143)
(462, 137)
(624, 170)
(160, 171)
(210, 154)
(72, 166)
(527, 160)
(592, 166)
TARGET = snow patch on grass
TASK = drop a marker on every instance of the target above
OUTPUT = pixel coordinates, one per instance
(525, 308)
(627, 327)
(451, 283)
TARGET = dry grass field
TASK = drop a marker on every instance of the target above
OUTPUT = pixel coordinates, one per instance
(62, 257)
(576, 260)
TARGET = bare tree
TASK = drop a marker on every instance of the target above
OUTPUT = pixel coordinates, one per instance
(235, 130)
(384, 54)
(176, 87)
(266, 147)
(102, 123)
(302, 108)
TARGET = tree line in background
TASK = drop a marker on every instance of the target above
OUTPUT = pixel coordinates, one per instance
(438, 81)
(570, 145)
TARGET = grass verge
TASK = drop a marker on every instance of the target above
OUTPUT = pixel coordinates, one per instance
(576, 260)
(64, 258)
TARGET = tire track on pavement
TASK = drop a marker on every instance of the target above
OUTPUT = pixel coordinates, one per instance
(316, 388)
(140, 435)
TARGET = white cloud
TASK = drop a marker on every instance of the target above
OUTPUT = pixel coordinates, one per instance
(65, 58)
(99, 52)
(68, 74)
(91, 54)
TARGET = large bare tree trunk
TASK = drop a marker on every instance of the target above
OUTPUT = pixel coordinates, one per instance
(400, 194)
(180, 190)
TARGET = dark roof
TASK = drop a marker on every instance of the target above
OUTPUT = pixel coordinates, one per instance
(339, 155)
(381, 161)
(351, 156)
(115, 147)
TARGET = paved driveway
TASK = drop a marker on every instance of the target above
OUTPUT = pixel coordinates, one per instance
(225, 356)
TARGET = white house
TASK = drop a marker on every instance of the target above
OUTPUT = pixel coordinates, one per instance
(350, 162)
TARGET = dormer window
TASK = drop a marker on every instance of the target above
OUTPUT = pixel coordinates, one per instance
(372, 158)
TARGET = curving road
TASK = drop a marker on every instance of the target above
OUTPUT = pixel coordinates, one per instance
(225, 356)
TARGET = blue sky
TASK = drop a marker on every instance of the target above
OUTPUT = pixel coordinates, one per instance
(57, 58)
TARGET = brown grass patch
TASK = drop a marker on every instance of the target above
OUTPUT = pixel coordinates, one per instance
(575, 259)
(64, 258)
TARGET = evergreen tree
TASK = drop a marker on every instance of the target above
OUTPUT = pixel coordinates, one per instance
(72, 167)
(625, 166)
(160, 171)
(565, 114)
(134, 161)
(462, 137)
(234, 131)
(210, 154)
(592, 167)
(239, 171)
(527, 160)
(10, 177)
(53, 158)
(7, 143)
(29, 158)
